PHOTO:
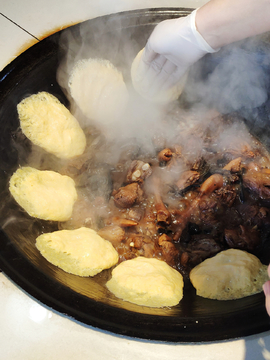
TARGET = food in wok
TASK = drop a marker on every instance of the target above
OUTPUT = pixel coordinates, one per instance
(80, 252)
(231, 274)
(147, 282)
(44, 194)
(98, 89)
(181, 199)
(50, 125)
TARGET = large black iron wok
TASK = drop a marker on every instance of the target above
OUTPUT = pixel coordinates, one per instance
(86, 299)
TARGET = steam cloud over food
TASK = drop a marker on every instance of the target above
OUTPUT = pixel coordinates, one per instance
(234, 79)
(117, 109)
(99, 91)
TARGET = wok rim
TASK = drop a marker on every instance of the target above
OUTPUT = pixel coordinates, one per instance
(87, 311)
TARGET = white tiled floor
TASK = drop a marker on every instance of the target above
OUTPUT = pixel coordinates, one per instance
(29, 331)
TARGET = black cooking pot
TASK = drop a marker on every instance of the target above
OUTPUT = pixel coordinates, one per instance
(87, 299)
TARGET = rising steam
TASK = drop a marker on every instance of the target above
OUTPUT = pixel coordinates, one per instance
(231, 80)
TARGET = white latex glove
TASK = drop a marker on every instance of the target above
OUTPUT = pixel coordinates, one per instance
(172, 48)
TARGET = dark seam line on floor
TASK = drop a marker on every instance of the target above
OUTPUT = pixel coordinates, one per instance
(20, 27)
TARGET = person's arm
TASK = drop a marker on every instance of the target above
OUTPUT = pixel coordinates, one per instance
(176, 44)
(222, 22)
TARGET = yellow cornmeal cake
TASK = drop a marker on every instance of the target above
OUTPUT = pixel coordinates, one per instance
(99, 90)
(80, 252)
(50, 125)
(146, 281)
(231, 274)
(45, 195)
(164, 96)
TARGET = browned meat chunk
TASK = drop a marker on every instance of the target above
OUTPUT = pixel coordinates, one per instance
(116, 220)
(163, 214)
(187, 178)
(201, 206)
(259, 182)
(234, 165)
(165, 155)
(128, 195)
(138, 171)
(144, 245)
(113, 233)
(226, 196)
(242, 238)
(243, 149)
(200, 248)
(169, 251)
(211, 184)
(135, 214)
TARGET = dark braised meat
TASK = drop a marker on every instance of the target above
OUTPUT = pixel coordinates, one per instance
(163, 216)
(165, 155)
(138, 171)
(114, 233)
(169, 251)
(198, 249)
(128, 195)
(201, 193)
(187, 178)
(242, 238)
(258, 181)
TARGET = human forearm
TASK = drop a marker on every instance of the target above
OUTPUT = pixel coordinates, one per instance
(222, 22)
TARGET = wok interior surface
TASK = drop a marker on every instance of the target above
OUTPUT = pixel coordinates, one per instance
(87, 299)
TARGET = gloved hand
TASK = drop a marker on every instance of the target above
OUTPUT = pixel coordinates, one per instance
(172, 48)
